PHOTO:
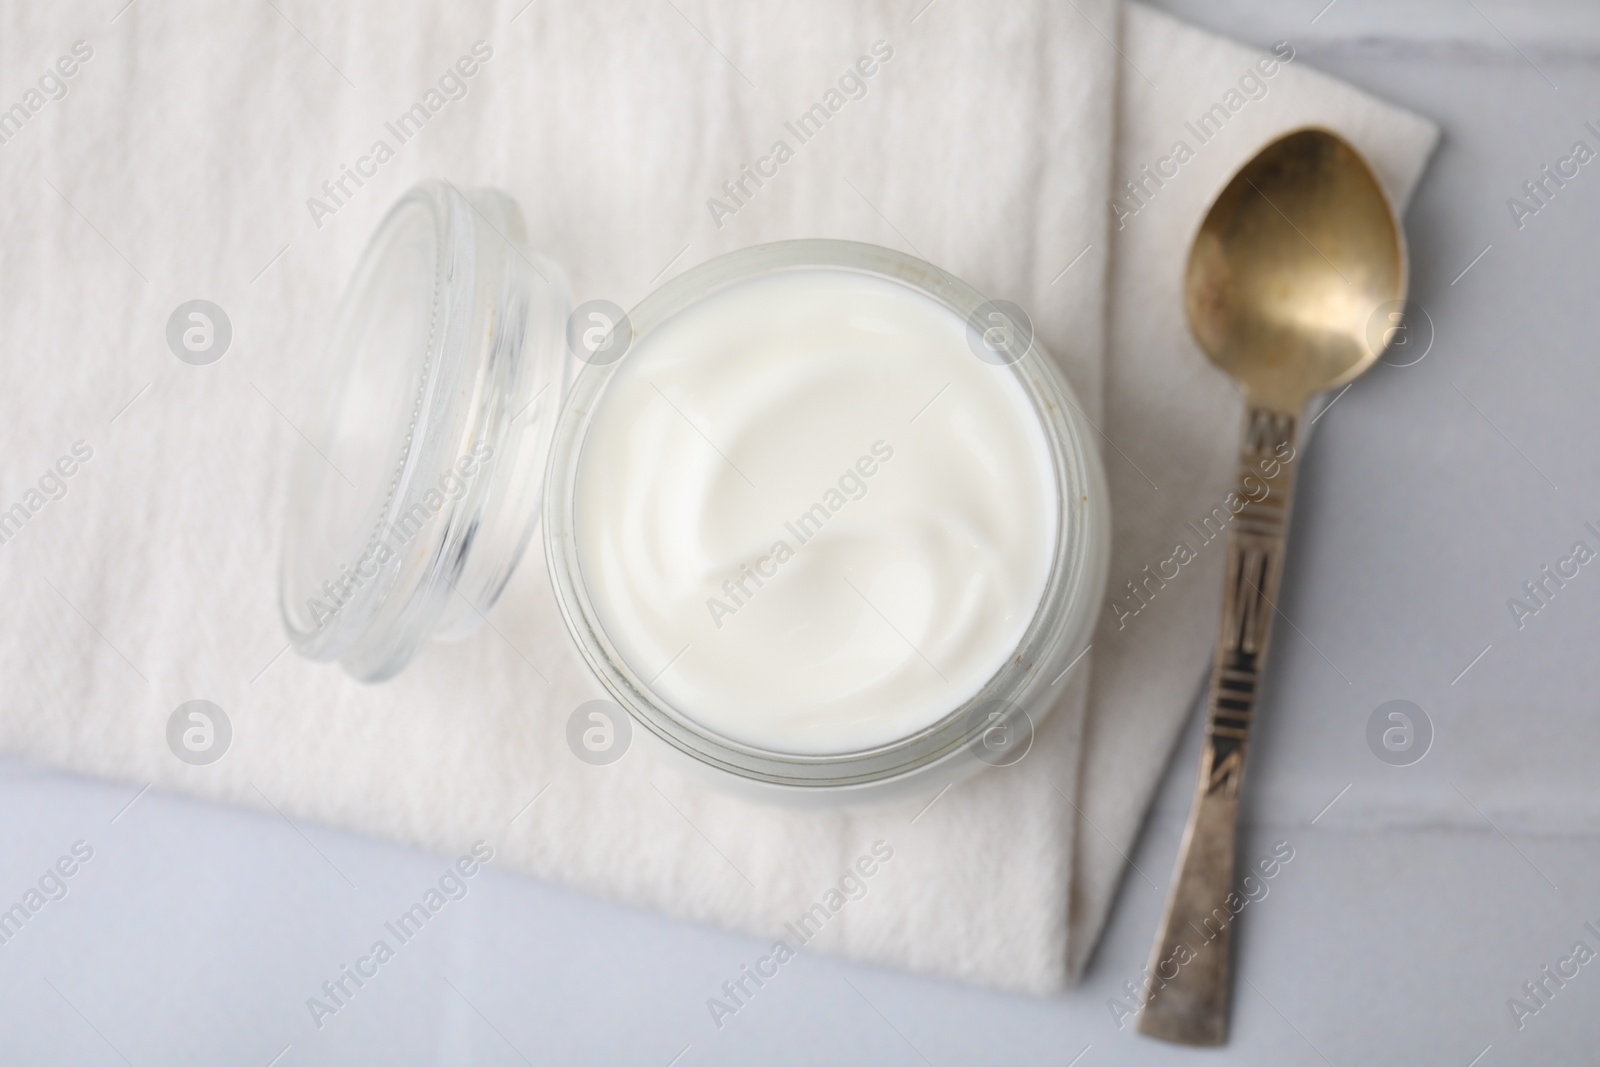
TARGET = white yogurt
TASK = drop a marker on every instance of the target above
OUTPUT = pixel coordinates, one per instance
(809, 517)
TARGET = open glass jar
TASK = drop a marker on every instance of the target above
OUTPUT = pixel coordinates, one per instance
(820, 518)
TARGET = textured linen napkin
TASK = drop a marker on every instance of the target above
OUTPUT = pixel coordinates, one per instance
(193, 153)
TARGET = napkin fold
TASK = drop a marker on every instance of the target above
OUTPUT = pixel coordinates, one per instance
(987, 141)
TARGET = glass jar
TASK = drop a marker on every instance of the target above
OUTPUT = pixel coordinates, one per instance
(459, 404)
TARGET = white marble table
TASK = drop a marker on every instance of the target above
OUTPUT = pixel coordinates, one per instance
(1419, 899)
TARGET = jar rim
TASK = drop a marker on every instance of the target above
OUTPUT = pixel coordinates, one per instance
(1063, 617)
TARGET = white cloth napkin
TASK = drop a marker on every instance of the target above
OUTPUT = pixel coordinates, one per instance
(146, 578)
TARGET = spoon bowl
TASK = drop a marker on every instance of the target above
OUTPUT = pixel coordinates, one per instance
(1289, 266)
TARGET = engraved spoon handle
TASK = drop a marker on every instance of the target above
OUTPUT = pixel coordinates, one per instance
(1190, 974)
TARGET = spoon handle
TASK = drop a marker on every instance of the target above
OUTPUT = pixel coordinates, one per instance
(1190, 973)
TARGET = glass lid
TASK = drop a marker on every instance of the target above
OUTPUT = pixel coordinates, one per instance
(422, 481)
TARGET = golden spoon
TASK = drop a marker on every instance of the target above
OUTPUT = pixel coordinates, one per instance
(1293, 261)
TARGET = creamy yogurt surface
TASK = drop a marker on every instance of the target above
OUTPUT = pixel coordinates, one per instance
(809, 517)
